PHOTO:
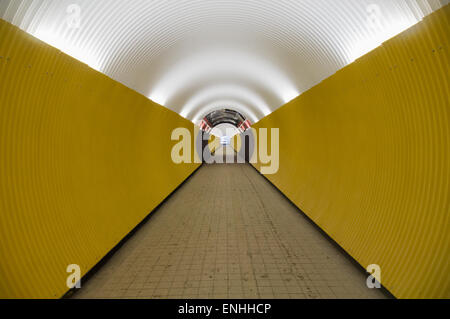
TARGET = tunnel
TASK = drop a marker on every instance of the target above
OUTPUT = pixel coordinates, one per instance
(238, 149)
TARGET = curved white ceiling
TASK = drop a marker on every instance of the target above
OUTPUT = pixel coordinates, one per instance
(199, 55)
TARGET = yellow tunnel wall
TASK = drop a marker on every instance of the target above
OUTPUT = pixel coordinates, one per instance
(83, 160)
(365, 154)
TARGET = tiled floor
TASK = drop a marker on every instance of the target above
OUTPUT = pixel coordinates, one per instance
(228, 233)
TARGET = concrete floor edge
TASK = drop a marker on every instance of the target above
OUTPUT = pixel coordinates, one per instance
(72, 292)
(88, 278)
(325, 234)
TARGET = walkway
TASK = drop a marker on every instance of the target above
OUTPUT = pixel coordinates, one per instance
(228, 233)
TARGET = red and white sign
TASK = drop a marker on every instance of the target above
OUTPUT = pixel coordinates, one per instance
(204, 126)
(245, 126)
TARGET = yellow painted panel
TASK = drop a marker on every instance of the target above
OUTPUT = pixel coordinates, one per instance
(365, 154)
(83, 160)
